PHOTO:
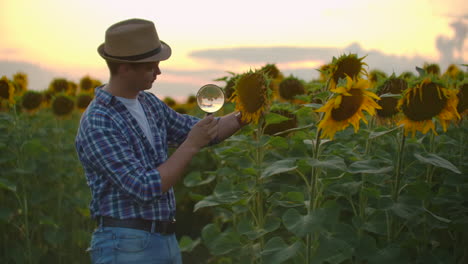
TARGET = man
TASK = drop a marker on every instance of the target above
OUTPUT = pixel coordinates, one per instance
(122, 143)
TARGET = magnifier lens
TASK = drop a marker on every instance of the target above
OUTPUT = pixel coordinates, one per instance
(210, 98)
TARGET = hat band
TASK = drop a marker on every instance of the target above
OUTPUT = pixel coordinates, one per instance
(135, 57)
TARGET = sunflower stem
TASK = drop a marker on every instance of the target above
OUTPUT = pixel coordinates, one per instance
(401, 146)
(259, 182)
(429, 168)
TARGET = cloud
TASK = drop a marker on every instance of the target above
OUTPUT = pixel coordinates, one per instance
(38, 77)
(282, 55)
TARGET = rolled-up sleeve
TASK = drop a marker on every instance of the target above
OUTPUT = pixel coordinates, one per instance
(107, 151)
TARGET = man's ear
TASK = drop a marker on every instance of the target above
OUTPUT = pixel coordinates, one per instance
(124, 68)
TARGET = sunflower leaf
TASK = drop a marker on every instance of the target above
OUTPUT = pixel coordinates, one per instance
(381, 133)
(437, 161)
(277, 251)
(6, 184)
(391, 95)
(278, 167)
(273, 118)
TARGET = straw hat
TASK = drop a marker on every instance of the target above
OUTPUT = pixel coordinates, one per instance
(133, 41)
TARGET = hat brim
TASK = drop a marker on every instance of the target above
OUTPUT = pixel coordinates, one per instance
(163, 54)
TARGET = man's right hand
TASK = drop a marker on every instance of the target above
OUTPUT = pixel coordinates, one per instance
(203, 132)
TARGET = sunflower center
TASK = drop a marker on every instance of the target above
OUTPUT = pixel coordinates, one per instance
(350, 66)
(251, 92)
(349, 105)
(424, 107)
(4, 90)
(389, 107)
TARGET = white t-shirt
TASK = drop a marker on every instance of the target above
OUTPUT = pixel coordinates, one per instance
(135, 108)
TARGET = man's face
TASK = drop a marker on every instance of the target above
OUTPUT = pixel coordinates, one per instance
(144, 74)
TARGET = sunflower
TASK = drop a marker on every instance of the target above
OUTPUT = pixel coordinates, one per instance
(290, 87)
(169, 101)
(191, 100)
(86, 84)
(251, 95)
(21, 83)
(376, 76)
(83, 100)
(432, 68)
(229, 88)
(272, 129)
(389, 104)
(62, 105)
(59, 85)
(462, 95)
(453, 72)
(346, 106)
(7, 90)
(428, 99)
(346, 65)
(31, 101)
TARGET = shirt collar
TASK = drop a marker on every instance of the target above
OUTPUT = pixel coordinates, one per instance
(108, 99)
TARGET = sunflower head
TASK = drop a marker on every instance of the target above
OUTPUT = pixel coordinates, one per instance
(346, 65)
(181, 109)
(272, 129)
(271, 71)
(21, 82)
(86, 84)
(432, 68)
(62, 105)
(7, 91)
(462, 95)
(59, 85)
(454, 73)
(290, 87)
(392, 85)
(83, 100)
(376, 76)
(324, 72)
(192, 99)
(229, 88)
(169, 101)
(407, 76)
(425, 100)
(350, 98)
(31, 101)
(251, 95)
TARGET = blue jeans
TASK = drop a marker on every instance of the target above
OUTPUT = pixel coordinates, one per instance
(124, 245)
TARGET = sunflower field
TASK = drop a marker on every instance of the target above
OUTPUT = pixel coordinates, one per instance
(354, 167)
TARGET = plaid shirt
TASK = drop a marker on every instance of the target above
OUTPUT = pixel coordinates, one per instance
(119, 161)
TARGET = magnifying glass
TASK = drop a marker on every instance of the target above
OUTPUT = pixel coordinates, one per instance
(210, 98)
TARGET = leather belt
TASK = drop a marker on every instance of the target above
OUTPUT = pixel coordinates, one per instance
(152, 226)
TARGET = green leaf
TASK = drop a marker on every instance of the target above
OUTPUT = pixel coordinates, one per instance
(442, 219)
(335, 163)
(246, 227)
(6, 184)
(34, 148)
(6, 214)
(277, 251)
(437, 161)
(186, 244)
(313, 106)
(369, 167)
(279, 166)
(195, 179)
(273, 118)
(381, 133)
(346, 188)
(218, 242)
(302, 225)
(224, 193)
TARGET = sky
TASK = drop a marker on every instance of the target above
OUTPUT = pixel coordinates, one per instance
(58, 39)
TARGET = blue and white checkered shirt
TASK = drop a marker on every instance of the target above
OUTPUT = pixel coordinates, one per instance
(118, 160)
